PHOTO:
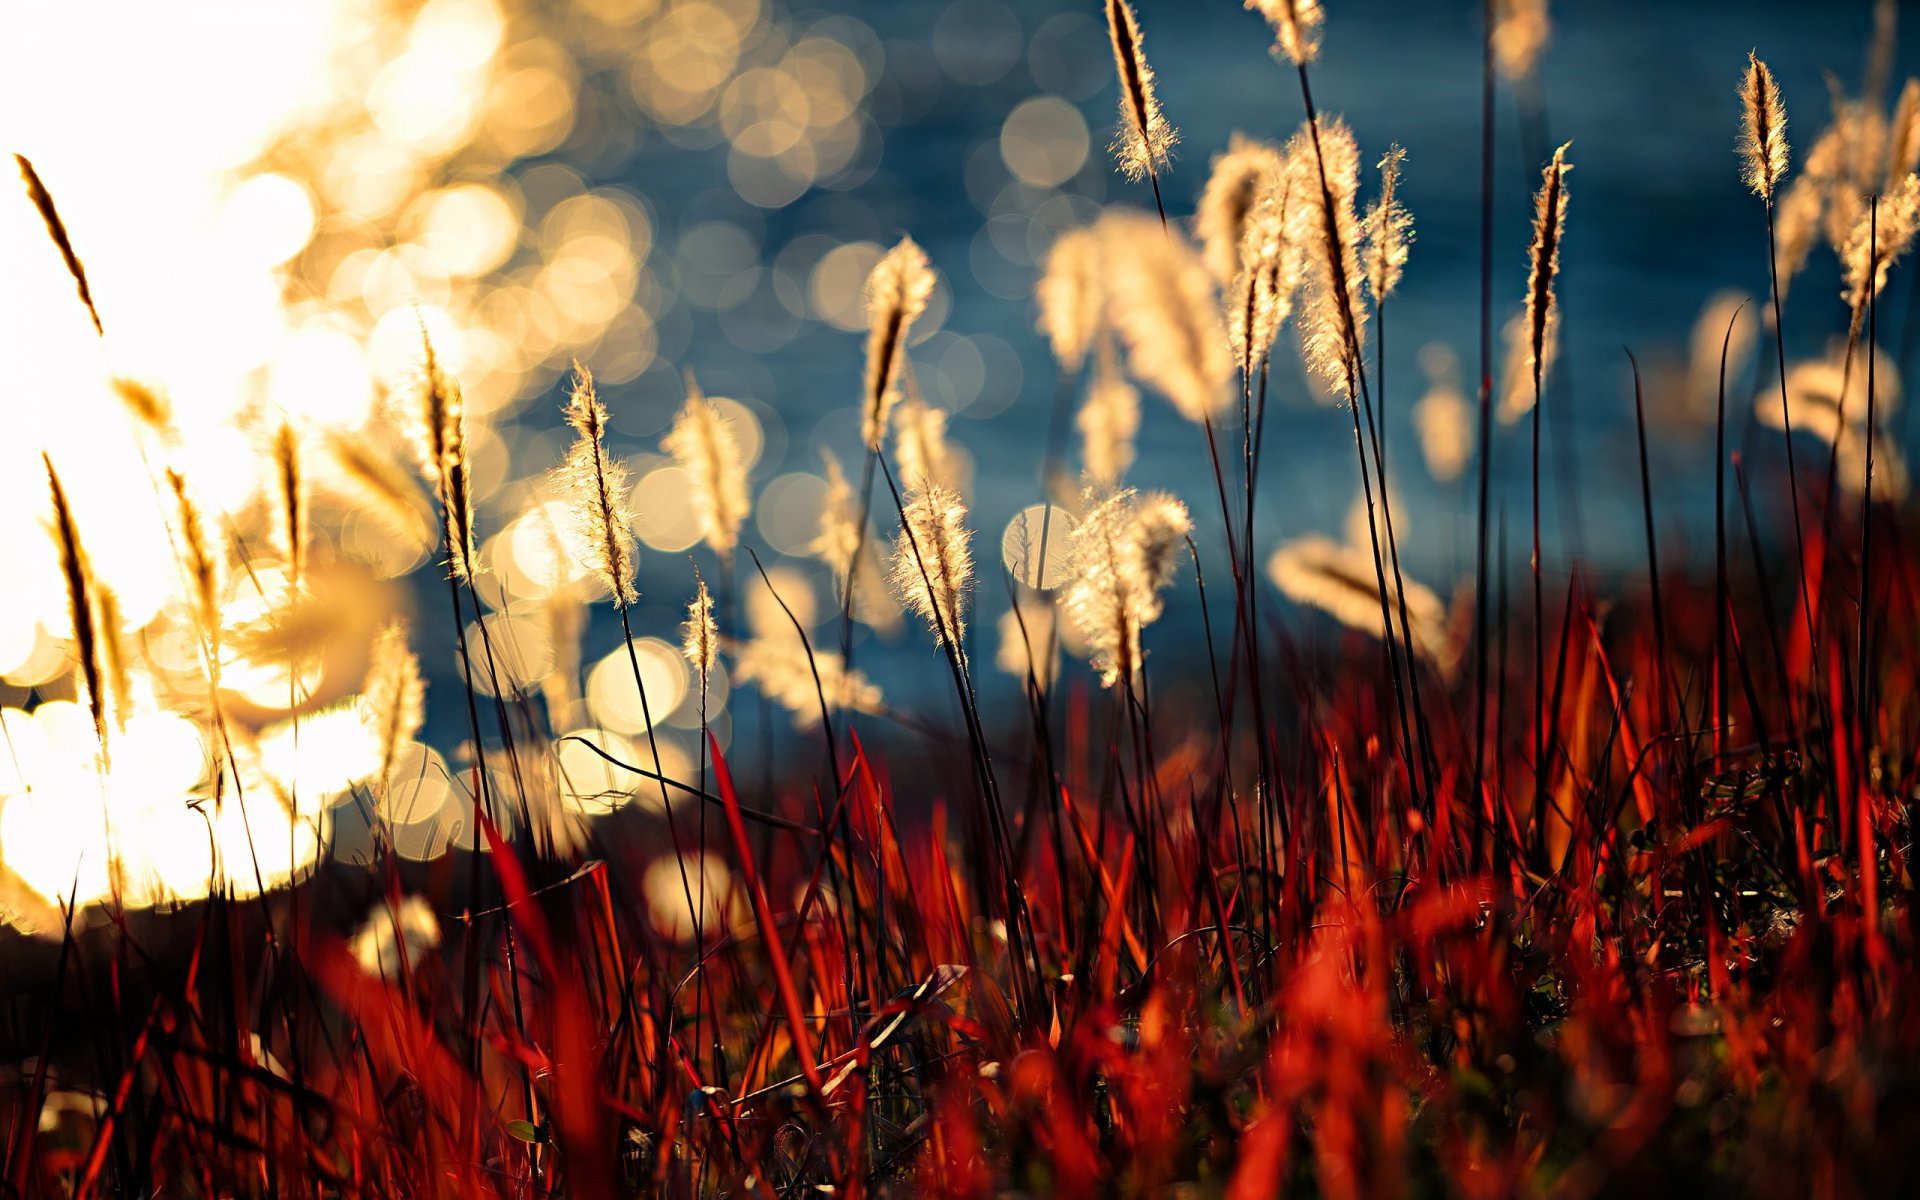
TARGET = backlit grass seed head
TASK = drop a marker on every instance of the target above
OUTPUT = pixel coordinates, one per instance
(920, 445)
(1332, 320)
(1241, 178)
(897, 292)
(595, 488)
(1341, 581)
(1296, 27)
(1520, 33)
(1763, 130)
(1071, 296)
(1549, 224)
(290, 496)
(932, 566)
(202, 561)
(1107, 421)
(1848, 159)
(1144, 141)
(148, 406)
(395, 939)
(1164, 305)
(392, 701)
(1270, 263)
(1122, 553)
(699, 635)
(439, 425)
(840, 542)
(1903, 136)
(57, 233)
(780, 666)
(73, 565)
(1879, 240)
(373, 481)
(1389, 230)
(703, 444)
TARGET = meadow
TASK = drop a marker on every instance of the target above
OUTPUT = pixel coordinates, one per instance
(409, 794)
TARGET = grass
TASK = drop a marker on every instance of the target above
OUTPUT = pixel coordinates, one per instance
(1630, 913)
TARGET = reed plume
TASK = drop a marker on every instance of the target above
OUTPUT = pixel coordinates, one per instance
(148, 406)
(392, 700)
(699, 635)
(1144, 141)
(73, 565)
(440, 445)
(920, 445)
(1849, 163)
(1108, 419)
(933, 560)
(203, 570)
(897, 293)
(1326, 177)
(1549, 223)
(57, 231)
(1903, 136)
(1520, 32)
(1763, 130)
(379, 486)
(595, 487)
(1121, 555)
(796, 680)
(290, 493)
(702, 442)
(1877, 242)
(1296, 27)
(115, 665)
(1389, 230)
(1270, 262)
(1241, 178)
(842, 545)
(1071, 296)
(1163, 303)
(1340, 580)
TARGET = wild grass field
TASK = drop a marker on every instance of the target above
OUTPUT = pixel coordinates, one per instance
(382, 819)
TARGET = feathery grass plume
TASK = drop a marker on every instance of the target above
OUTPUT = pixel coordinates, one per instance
(148, 406)
(840, 540)
(379, 486)
(1163, 303)
(1763, 130)
(290, 493)
(1516, 375)
(108, 624)
(933, 560)
(1520, 32)
(702, 442)
(1443, 417)
(203, 569)
(1269, 261)
(1903, 136)
(57, 231)
(897, 293)
(1326, 177)
(1071, 296)
(1123, 552)
(1108, 419)
(440, 443)
(395, 939)
(1144, 141)
(1296, 27)
(1814, 392)
(920, 445)
(1029, 641)
(1549, 223)
(699, 635)
(1797, 226)
(1389, 230)
(73, 565)
(1340, 580)
(595, 487)
(1850, 167)
(780, 666)
(1241, 178)
(1878, 241)
(392, 701)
